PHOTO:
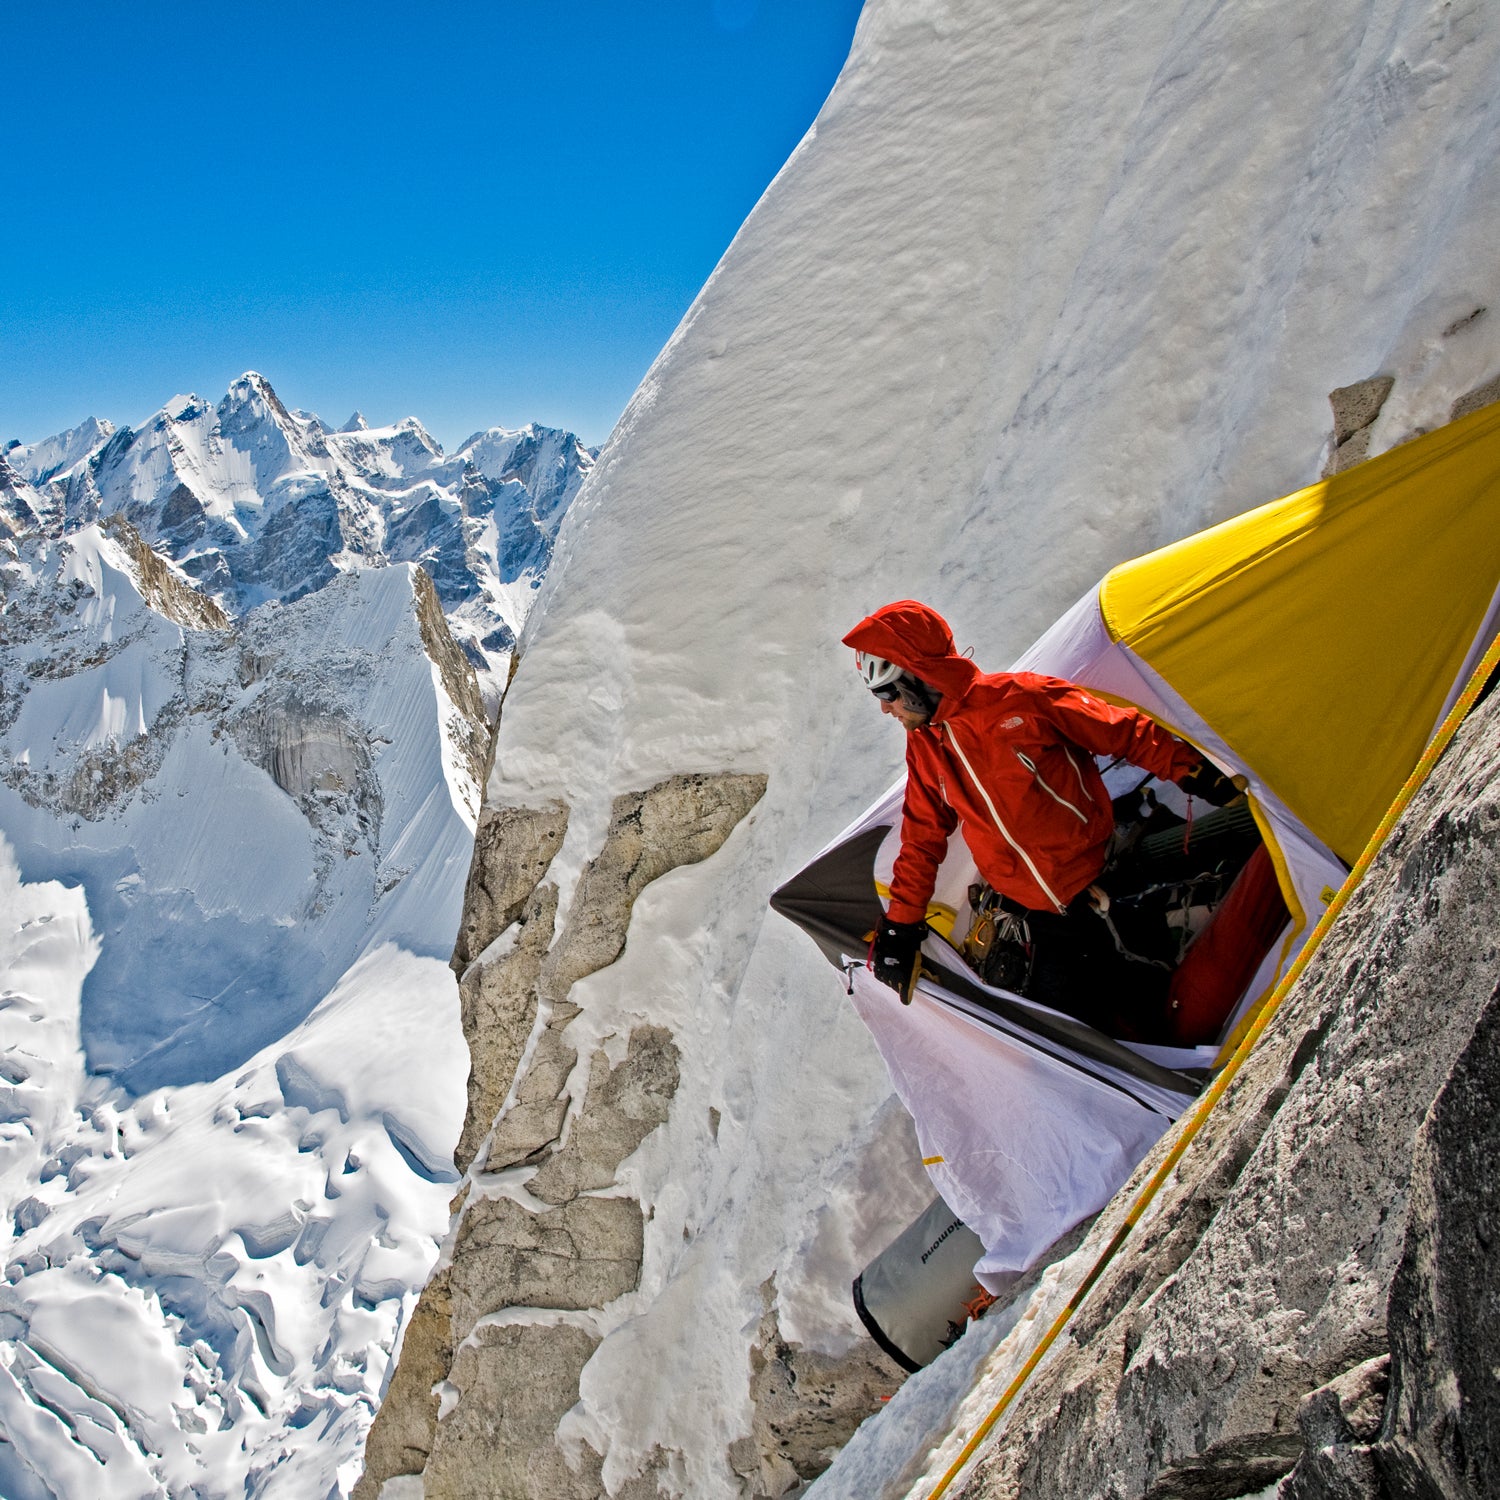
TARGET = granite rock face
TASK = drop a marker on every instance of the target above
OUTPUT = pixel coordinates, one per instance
(807, 1404)
(1442, 1434)
(512, 848)
(513, 1383)
(1334, 1219)
(1355, 408)
(508, 1324)
(161, 587)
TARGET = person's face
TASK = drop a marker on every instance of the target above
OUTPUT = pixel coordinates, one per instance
(908, 718)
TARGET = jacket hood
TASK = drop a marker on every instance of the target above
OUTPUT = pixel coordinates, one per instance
(917, 638)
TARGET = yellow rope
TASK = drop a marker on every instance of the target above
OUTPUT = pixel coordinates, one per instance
(1209, 1100)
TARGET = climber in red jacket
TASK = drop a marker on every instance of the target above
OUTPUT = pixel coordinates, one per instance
(1008, 758)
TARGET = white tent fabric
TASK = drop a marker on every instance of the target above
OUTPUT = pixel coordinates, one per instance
(998, 1120)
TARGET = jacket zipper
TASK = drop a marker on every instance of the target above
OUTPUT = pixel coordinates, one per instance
(1005, 833)
(1041, 781)
(1083, 786)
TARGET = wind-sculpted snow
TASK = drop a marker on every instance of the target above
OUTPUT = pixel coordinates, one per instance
(231, 1067)
(259, 503)
(203, 1284)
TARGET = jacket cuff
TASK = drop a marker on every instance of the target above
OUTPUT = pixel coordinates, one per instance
(904, 911)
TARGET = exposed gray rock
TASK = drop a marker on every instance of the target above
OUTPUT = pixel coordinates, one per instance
(307, 748)
(678, 821)
(1355, 408)
(498, 1002)
(579, 1255)
(1480, 396)
(1337, 1422)
(807, 1405)
(1348, 1409)
(535, 1119)
(162, 587)
(625, 1104)
(514, 1382)
(1437, 1435)
(401, 1442)
(512, 848)
(1442, 1437)
(1266, 1270)
(581, 1477)
(581, 1251)
(459, 681)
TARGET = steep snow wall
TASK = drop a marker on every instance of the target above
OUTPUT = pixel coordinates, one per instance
(1045, 286)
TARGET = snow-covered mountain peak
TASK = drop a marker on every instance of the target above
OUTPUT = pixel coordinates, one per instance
(250, 385)
(56, 456)
(256, 503)
(412, 425)
(183, 408)
(542, 458)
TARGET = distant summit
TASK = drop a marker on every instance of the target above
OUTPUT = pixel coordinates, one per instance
(56, 456)
(255, 502)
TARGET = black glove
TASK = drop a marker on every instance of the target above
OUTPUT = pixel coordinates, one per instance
(1207, 781)
(893, 955)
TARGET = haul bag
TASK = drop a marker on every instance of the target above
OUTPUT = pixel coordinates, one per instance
(912, 1297)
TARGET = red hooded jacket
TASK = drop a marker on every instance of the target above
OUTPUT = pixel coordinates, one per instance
(1009, 758)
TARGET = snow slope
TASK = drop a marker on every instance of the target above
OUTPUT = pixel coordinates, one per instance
(150, 761)
(231, 867)
(203, 1284)
(58, 455)
(1044, 287)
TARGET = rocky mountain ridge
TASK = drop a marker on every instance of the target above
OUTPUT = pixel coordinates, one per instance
(255, 502)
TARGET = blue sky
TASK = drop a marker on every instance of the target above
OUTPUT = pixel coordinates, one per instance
(470, 213)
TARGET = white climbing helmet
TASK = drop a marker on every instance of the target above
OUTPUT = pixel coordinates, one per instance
(877, 673)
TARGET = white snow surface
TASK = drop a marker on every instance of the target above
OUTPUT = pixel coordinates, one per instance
(231, 1066)
(1045, 286)
(203, 1284)
(57, 456)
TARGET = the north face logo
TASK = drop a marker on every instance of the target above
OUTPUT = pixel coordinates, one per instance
(1014, 722)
